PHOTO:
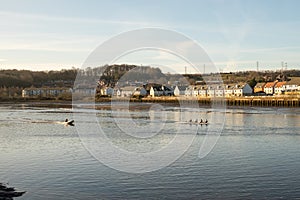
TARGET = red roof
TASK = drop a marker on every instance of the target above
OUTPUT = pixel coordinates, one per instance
(270, 84)
(280, 84)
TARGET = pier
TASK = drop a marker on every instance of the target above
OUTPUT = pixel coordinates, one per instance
(264, 101)
(257, 101)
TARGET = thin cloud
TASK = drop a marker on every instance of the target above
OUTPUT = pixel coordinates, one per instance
(69, 19)
(276, 49)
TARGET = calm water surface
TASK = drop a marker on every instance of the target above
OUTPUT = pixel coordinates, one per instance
(256, 157)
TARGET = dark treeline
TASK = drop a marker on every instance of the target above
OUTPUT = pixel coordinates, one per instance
(121, 73)
(27, 78)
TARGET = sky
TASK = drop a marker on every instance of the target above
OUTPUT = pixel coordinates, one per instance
(235, 34)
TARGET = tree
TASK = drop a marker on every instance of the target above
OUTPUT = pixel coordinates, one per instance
(252, 82)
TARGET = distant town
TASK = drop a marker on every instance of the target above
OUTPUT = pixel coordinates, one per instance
(145, 82)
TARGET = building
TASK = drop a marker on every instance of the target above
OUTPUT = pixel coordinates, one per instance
(202, 91)
(242, 89)
(129, 91)
(259, 87)
(168, 91)
(45, 92)
(156, 91)
(188, 91)
(195, 91)
(180, 90)
(279, 88)
(219, 91)
(269, 87)
(211, 91)
(292, 85)
(85, 90)
(228, 91)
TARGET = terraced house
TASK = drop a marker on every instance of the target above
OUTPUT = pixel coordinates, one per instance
(216, 90)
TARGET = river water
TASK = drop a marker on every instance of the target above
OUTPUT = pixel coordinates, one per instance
(257, 155)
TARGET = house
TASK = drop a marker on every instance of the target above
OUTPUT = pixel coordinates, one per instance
(106, 91)
(279, 88)
(180, 90)
(168, 91)
(84, 90)
(242, 89)
(156, 91)
(202, 92)
(229, 91)
(195, 91)
(219, 91)
(292, 85)
(45, 92)
(129, 91)
(189, 91)
(126, 91)
(259, 87)
(269, 87)
(211, 91)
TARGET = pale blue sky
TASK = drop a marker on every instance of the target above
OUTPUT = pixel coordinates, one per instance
(55, 34)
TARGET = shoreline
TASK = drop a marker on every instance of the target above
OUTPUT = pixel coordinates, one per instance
(246, 101)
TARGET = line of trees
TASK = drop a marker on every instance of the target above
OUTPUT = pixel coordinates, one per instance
(27, 78)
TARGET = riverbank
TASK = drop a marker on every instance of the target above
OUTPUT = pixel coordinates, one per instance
(264, 101)
(256, 101)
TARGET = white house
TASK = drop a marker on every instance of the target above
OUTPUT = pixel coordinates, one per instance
(202, 91)
(229, 91)
(106, 91)
(195, 91)
(45, 92)
(129, 91)
(189, 91)
(214, 90)
(126, 91)
(242, 89)
(292, 85)
(211, 91)
(85, 90)
(280, 88)
(219, 91)
(156, 91)
(269, 87)
(180, 90)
